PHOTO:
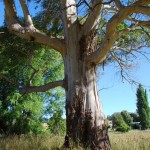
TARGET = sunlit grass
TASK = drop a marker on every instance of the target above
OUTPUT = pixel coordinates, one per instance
(133, 140)
(31, 142)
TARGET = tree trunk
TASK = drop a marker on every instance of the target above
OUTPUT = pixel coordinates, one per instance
(85, 120)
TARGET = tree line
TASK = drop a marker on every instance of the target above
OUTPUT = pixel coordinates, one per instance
(124, 121)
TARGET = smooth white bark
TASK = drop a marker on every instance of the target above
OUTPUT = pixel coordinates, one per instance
(28, 31)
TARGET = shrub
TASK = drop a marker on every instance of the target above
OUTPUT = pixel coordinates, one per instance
(123, 128)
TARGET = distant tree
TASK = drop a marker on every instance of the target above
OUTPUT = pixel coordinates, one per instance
(135, 117)
(136, 121)
(118, 123)
(109, 117)
(143, 107)
(127, 118)
(57, 124)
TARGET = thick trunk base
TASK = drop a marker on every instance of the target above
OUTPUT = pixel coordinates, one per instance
(96, 139)
(82, 130)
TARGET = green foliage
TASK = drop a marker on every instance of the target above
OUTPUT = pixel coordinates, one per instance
(55, 108)
(119, 124)
(135, 117)
(127, 118)
(24, 63)
(121, 26)
(123, 127)
(117, 119)
(143, 107)
(57, 124)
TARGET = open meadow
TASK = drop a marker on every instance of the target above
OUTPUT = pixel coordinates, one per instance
(133, 140)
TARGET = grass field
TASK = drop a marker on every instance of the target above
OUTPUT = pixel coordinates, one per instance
(133, 140)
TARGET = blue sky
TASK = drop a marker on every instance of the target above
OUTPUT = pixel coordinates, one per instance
(118, 95)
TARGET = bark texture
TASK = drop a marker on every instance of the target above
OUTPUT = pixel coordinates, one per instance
(85, 120)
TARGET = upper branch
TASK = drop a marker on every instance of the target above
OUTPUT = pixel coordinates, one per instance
(93, 18)
(69, 15)
(26, 13)
(42, 88)
(29, 32)
(112, 34)
(118, 4)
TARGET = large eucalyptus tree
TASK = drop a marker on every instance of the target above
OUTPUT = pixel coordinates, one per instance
(115, 22)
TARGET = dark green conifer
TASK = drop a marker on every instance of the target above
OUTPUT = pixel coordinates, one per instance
(143, 107)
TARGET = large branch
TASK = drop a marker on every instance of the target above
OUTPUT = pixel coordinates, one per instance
(42, 88)
(29, 32)
(111, 33)
(93, 18)
(69, 15)
(26, 13)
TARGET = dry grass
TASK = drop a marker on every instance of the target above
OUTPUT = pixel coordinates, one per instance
(31, 143)
(133, 140)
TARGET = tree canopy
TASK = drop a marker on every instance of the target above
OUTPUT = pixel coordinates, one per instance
(85, 33)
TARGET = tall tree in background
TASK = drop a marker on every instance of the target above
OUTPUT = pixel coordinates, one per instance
(143, 107)
(118, 24)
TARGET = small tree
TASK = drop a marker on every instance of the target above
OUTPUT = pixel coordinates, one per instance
(143, 108)
(119, 124)
(127, 118)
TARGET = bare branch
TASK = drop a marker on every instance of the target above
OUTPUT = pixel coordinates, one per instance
(42, 88)
(105, 88)
(142, 2)
(129, 50)
(29, 32)
(109, 7)
(111, 33)
(118, 4)
(32, 76)
(141, 9)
